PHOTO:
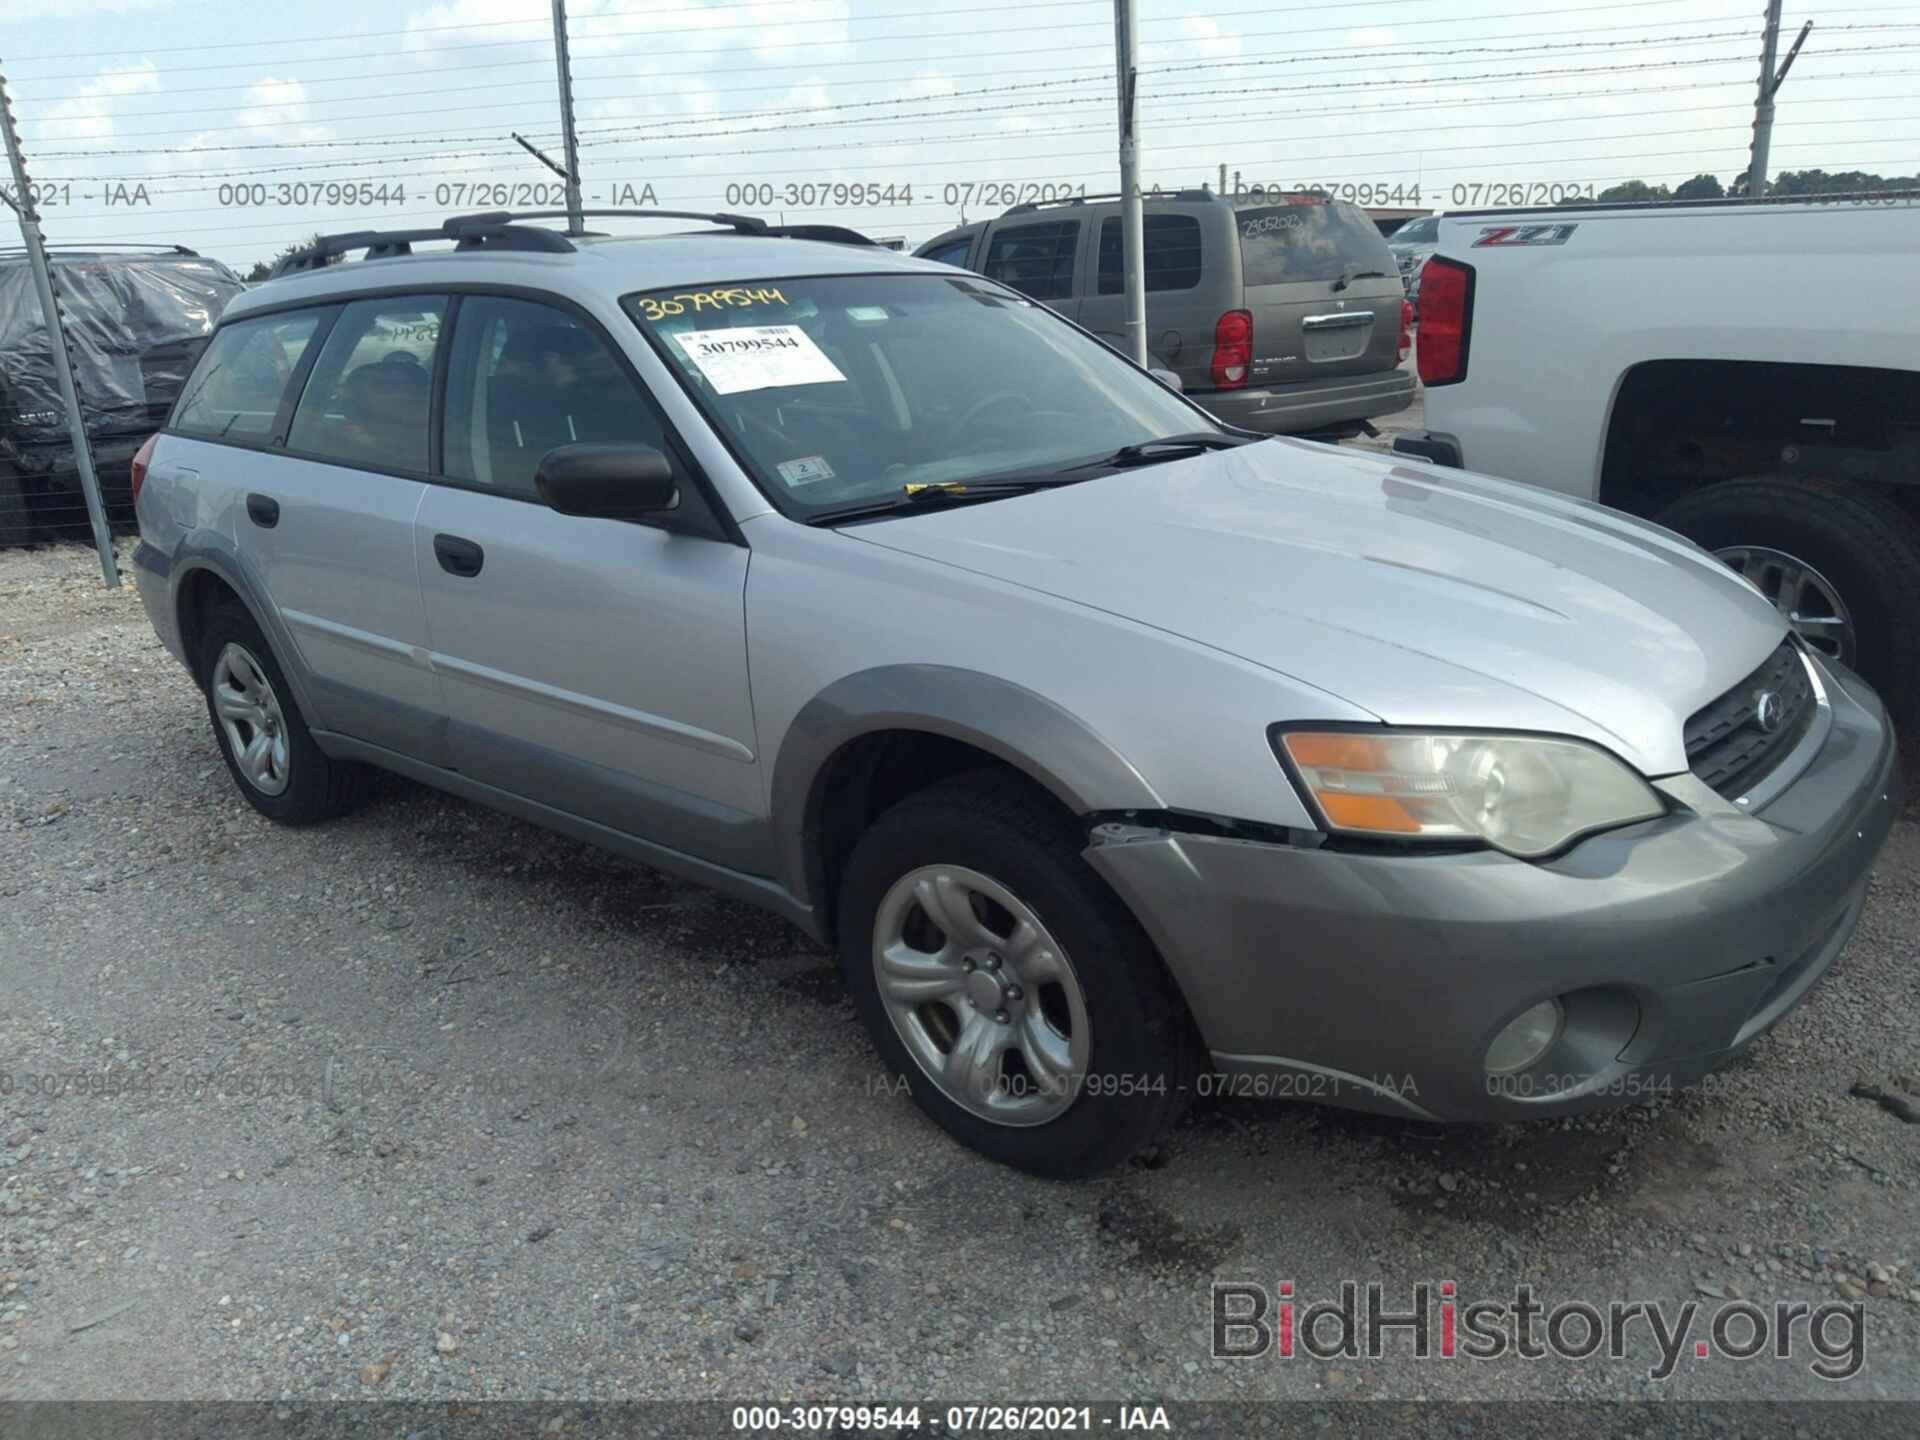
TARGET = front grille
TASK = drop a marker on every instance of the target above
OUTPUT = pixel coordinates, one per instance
(1726, 746)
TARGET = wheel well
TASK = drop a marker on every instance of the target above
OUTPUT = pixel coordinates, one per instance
(200, 593)
(867, 777)
(1679, 425)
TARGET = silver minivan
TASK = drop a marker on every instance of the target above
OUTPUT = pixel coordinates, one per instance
(1114, 751)
(1282, 314)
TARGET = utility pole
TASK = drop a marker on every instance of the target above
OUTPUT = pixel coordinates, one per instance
(1132, 226)
(1223, 177)
(21, 202)
(576, 222)
(1770, 82)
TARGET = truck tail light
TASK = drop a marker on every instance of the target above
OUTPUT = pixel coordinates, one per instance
(1406, 330)
(1232, 350)
(1446, 320)
(141, 458)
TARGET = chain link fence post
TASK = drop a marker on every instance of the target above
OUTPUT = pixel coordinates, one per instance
(23, 207)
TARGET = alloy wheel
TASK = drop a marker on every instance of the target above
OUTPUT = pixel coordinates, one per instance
(983, 996)
(251, 719)
(1808, 600)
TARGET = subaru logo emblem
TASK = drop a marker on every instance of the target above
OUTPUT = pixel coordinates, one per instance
(1768, 712)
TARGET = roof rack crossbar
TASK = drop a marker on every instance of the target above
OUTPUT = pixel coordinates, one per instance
(468, 232)
(83, 248)
(1028, 206)
(748, 224)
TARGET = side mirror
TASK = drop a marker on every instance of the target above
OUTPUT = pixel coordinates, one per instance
(1168, 378)
(612, 482)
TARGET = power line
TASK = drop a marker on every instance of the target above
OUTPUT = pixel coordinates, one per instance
(1271, 59)
(1397, 107)
(1289, 31)
(701, 9)
(898, 215)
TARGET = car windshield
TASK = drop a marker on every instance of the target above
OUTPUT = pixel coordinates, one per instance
(843, 390)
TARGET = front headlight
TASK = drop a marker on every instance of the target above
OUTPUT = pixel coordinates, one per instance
(1528, 795)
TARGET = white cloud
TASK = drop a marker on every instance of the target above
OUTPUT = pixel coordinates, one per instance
(1210, 42)
(89, 115)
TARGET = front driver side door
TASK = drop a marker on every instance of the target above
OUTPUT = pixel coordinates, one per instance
(595, 666)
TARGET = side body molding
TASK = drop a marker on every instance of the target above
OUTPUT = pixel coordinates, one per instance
(1015, 724)
(210, 550)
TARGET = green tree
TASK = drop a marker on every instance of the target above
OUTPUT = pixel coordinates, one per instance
(1700, 187)
(263, 268)
(1635, 190)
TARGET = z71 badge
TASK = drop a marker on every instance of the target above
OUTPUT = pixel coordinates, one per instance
(1524, 235)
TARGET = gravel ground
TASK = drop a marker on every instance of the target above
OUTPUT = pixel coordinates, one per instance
(431, 1104)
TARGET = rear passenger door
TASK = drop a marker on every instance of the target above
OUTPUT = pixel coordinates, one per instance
(1039, 259)
(596, 666)
(1179, 319)
(325, 508)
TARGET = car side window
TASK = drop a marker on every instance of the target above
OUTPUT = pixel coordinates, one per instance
(1036, 260)
(1172, 259)
(368, 400)
(523, 378)
(236, 390)
(953, 253)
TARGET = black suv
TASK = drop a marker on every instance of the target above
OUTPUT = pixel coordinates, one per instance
(136, 321)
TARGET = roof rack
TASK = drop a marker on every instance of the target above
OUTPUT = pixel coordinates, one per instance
(831, 234)
(468, 232)
(500, 230)
(103, 245)
(746, 224)
(739, 224)
(1201, 194)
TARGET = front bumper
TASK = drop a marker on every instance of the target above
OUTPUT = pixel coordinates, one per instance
(1310, 405)
(1377, 980)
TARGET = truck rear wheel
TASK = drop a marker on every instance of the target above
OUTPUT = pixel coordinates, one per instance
(1839, 560)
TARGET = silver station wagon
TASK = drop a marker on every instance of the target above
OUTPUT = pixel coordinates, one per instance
(1114, 751)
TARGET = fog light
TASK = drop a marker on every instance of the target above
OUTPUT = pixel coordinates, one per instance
(1524, 1041)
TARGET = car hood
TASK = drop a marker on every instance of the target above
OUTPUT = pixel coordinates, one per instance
(1425, 595)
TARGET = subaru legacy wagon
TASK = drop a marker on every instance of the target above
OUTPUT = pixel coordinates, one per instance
(1112, 750)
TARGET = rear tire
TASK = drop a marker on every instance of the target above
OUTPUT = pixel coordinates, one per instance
(1861, 544)
(261, 733)
(1085, 992)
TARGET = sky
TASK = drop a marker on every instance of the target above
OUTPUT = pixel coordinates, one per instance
(240, 128)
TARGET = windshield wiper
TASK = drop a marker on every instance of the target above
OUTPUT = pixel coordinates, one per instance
(1347, 277)
(937, 493)
(1167, 447)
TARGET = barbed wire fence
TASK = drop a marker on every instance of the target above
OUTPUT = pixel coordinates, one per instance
(901, 120)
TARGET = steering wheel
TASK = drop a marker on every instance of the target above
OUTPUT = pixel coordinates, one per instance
(975, 411)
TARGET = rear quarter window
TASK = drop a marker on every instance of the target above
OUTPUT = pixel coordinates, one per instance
(236, 391)
(1282, 244)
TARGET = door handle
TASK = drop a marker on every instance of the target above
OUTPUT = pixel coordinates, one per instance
(457, 556)
(263, 510)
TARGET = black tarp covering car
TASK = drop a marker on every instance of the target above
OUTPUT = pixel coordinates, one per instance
(135, 324)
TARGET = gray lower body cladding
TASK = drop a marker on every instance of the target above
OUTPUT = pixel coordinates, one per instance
(1378, 980)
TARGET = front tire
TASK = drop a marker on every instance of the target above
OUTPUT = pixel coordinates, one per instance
(1839, 559)
(1027, 1012)
(260, 731)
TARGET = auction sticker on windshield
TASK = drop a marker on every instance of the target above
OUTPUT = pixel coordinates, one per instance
(756, 357)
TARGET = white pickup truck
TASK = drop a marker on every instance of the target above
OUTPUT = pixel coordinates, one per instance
(1745, 373)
